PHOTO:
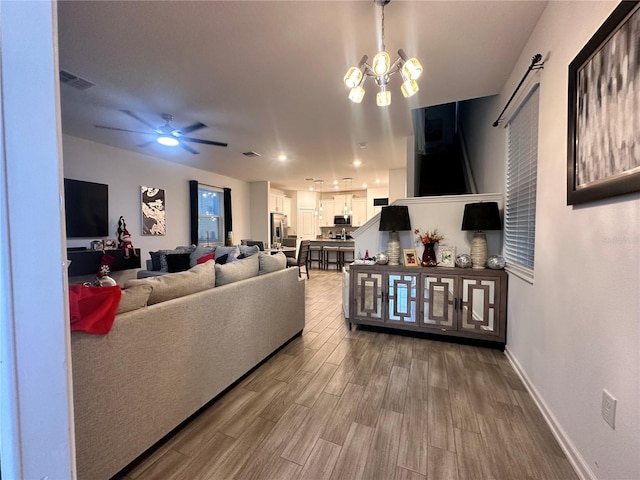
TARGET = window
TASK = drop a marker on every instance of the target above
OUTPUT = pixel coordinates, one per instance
(210, 215)
(520, 204)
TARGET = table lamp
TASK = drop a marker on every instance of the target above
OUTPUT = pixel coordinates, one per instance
(393, 219)
(478, 217)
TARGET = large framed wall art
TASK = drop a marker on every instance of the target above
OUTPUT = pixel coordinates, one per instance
(153, 211)
(603, 154)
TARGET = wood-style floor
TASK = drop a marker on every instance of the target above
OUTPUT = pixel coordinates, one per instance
(335, 404)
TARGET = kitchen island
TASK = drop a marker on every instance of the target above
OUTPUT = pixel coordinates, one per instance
(327, 252)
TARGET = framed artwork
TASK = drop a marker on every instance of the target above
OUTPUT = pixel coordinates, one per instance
(97, 245)
(603, 139)
(110, 244)
(153, 211)
(447, 256)
(410, 257)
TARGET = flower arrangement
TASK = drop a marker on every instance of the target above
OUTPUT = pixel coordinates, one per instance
(433, 236)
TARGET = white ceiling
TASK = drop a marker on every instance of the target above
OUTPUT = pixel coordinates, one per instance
(267, 76)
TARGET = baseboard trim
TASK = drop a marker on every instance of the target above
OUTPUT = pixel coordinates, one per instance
(577, 461)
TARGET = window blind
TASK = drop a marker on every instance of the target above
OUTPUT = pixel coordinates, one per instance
(520, 205)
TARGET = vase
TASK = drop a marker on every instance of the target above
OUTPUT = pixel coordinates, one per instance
(429, 255)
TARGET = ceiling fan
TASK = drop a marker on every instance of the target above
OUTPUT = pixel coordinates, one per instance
(167, 134)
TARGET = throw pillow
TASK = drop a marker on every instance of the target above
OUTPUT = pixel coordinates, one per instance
(222, 259)
(232, 252)
(236, 271)
(155, 261)
(198, 252)
(134, 297)
(162, 256)
(174, 285)
(206, 258)
(272, 263)
(178, 262)
(248, 250)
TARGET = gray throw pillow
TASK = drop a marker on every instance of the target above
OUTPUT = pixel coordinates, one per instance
(134, 297)
(231, 252)
(272, 263)
(235, 271)
(174, 285)
(247, 250)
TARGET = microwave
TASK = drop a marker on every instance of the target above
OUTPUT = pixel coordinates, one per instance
(342, 220)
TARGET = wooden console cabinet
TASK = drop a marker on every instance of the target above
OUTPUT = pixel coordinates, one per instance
(441, 300)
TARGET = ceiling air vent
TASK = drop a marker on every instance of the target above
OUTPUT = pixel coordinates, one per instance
(75, 81)
(251, 154)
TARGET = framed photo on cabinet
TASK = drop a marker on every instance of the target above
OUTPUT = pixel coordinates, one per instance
(447, 256)
(410, 257)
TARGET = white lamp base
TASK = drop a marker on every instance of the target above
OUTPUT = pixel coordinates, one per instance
(479, 250)
(393, 248)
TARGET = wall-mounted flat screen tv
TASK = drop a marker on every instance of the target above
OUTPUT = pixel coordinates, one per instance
(86, 209)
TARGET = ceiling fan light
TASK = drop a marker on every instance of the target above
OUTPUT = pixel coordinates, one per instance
(167, 140)
(383, 98)
(353, 77)
(381, 63)
(409, 88)
(356, 94)
(412, 69)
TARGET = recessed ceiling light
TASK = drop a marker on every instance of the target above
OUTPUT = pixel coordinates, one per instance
(362, 144)
(357, 163)
(336, 187)
(377, 180)
(364, 185)
(335, 182)
(282, 157)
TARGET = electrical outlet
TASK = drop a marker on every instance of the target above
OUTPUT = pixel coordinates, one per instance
(609, 409)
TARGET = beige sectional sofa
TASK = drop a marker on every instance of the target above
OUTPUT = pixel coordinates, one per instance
(161, 363)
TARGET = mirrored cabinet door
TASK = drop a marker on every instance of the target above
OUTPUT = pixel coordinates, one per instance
(369, 295)
(402, 291)
(439, 302)
(479, 304)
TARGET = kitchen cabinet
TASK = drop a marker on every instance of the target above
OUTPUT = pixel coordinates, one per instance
(340, 201)
(328, 210)
(359, 206)
(276, 202)
(439, 300)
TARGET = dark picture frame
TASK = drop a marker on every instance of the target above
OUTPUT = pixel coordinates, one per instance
(603, 154)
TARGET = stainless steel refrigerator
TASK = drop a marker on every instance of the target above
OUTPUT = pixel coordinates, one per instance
(279, 227)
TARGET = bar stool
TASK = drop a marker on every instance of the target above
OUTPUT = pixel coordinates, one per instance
(329, 259)
(347, 255)
(316, 255)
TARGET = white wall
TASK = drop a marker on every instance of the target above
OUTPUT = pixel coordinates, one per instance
(126, 171)
(397, 184)
(372, 193)
(576, 330)
(259, 215)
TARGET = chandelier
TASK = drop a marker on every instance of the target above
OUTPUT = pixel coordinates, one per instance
(381, 70)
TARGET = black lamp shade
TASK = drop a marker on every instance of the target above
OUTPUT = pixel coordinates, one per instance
(394, 219)
(481, 216)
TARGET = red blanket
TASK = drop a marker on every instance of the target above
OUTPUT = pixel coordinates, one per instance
(93, 309)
